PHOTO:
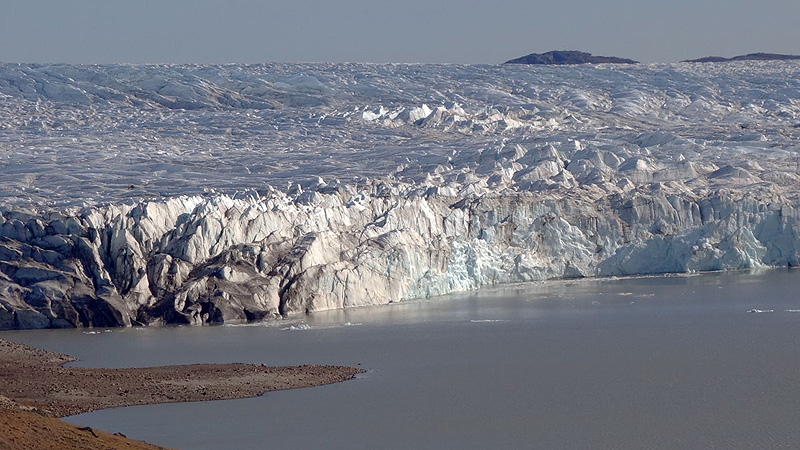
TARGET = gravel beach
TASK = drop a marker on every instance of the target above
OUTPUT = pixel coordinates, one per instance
(35, 388)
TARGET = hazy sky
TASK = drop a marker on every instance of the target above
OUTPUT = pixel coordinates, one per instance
(461, 31)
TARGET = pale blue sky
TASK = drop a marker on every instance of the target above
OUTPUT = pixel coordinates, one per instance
(459, 31)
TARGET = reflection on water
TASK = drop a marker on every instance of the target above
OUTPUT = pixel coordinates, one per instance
(654, 362)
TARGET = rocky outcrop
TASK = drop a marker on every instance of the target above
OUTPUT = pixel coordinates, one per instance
(215, 259)
(748, 57)
(564, 57)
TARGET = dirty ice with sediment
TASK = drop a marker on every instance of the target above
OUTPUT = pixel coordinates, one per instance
(137, 194)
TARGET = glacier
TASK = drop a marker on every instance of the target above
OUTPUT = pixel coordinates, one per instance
(195, 194)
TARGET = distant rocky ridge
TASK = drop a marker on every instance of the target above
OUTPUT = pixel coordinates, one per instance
(573, 57)
(565, 57)
(748, 57)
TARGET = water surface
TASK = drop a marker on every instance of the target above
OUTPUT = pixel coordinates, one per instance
(671, 362)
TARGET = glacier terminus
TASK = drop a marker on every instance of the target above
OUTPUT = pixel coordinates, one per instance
(194, 194)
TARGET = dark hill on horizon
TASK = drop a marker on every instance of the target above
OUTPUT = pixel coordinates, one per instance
(748, 57)
(564, 57)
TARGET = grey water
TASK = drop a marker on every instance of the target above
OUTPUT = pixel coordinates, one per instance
(672, 362)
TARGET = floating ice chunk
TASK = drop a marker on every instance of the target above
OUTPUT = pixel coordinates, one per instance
(300, 327)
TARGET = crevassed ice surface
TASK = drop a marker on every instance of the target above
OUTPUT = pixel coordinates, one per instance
(196, 194)
(82, 135)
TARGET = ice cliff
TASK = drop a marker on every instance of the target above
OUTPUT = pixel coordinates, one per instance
(200, 194)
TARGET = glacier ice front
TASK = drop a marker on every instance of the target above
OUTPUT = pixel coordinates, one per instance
(200, 194)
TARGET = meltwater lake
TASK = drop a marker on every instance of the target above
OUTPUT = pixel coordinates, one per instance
(707, 361)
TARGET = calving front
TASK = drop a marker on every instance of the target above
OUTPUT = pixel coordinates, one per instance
(200, 260)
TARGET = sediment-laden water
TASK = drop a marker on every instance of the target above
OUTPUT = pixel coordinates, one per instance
(706, 361)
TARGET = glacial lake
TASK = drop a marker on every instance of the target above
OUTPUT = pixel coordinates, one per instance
(706, 361)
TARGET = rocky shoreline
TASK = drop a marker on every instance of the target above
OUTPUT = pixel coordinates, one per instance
(35, 388)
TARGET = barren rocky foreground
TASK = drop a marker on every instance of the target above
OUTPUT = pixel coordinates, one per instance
(25, 430)
(35, 387)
